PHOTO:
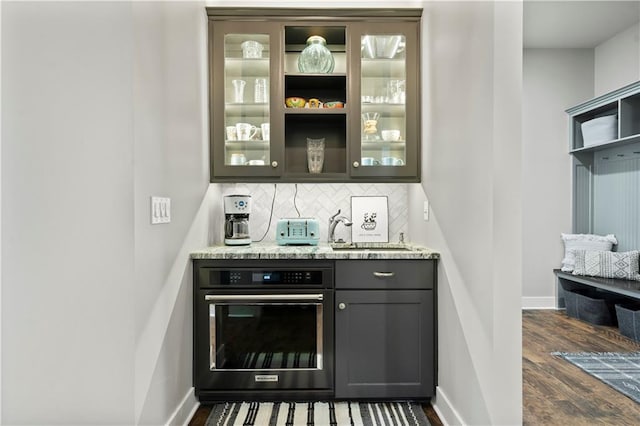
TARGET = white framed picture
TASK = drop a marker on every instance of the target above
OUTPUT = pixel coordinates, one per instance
(370, 217)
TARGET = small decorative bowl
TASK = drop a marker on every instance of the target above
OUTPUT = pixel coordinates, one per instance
(314, 103)
(295, 102)
(390, 135)
(334, 104)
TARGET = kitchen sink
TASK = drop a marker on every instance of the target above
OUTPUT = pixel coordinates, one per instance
(372, 247)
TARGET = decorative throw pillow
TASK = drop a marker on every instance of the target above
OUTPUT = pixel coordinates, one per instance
(607, 264)
(592, 242)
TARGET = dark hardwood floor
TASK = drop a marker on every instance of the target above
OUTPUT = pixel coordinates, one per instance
(556, 392)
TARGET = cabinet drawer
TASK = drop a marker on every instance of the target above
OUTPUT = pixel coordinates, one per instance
(385, 274)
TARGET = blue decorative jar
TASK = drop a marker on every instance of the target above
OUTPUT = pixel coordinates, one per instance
(316, 57)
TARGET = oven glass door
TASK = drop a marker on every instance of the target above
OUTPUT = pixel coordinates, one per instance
(250, 332)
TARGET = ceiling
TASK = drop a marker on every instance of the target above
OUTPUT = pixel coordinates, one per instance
(576, 24)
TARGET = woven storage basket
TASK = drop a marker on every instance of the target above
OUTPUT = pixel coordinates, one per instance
(628, 315)
(589, 306)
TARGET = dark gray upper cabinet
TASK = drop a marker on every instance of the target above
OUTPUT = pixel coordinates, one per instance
(373, 136)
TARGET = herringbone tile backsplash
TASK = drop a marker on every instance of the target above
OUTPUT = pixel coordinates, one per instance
(319, 201)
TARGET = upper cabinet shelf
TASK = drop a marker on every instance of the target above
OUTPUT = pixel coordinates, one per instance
(606, 121)
(608, 144)
(382, 67)
(319, 111)
(247, 67)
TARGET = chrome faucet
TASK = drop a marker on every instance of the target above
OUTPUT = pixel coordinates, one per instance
(333, 222)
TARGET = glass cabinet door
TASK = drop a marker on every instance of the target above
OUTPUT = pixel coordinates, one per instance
(243, 68)
(387, 141)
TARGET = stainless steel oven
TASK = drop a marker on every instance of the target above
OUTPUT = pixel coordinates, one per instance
(264, 329)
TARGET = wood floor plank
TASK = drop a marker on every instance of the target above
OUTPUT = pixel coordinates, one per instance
(555, 392)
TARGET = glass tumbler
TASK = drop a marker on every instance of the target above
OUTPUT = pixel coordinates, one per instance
(238, 91)
(260, 91)
(396, 93)
(315, 154)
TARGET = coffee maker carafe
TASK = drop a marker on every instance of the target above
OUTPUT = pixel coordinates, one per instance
(236, 220)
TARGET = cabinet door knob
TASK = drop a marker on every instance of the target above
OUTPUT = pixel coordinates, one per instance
(342, 306)
(356, 164)
(274, 164)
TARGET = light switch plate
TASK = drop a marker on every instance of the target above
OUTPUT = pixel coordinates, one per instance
(425, 211)
(160, 210)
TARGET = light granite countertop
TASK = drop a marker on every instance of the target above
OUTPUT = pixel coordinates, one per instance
(321, 251)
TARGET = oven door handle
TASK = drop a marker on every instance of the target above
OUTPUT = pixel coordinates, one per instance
(222, 297)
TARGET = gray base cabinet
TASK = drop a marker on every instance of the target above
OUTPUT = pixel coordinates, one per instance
(385, 329)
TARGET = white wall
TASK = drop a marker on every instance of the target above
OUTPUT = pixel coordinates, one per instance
(553, 80)
(67, 228)
(471, 175)
(77, 67)
(171, 160)
(617, 61)
(106, 106)
(0, 220)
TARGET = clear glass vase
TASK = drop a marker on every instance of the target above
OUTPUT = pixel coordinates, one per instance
(316, 57)
(315, 155)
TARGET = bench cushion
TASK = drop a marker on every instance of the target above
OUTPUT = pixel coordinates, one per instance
(607, 264)
(574, 242)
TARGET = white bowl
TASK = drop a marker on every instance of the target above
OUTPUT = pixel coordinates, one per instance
(390, 135)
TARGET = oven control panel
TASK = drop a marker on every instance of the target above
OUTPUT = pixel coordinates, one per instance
(259, 278)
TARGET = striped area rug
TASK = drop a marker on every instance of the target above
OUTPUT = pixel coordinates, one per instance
(317, 413)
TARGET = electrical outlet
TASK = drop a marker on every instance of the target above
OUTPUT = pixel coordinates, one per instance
(160, 210)
(425, 211)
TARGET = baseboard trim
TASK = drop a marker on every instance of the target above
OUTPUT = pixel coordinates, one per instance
(185, 411)
(538, 303)
(443, 408)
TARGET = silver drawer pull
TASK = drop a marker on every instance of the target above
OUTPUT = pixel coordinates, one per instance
(384, 274)
(210, 297)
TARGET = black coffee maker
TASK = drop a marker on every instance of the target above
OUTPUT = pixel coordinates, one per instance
(236, 220)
